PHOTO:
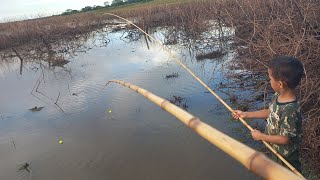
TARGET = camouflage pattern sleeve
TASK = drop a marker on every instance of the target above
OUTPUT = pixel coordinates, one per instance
(289, 120)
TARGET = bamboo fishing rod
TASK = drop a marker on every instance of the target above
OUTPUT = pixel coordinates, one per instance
(211, 91)
(253, 160)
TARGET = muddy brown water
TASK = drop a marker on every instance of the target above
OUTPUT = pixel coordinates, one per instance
(112, 133)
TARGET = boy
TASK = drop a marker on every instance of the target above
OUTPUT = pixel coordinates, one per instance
(284, 123)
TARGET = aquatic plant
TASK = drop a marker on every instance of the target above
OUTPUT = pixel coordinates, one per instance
(210, 55)
(179, 101)
(172, 75)
(34, 109)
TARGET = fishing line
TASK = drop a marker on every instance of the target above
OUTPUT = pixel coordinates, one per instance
(209, 89)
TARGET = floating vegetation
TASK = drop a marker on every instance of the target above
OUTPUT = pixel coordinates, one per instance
(176, 99)
(211, 55)
(179, 101)
(221, 85)
(35, 109)
(259, 97)
(243, 107)
(173, 75)
(24, 166)
(170, 42)
(233, 99)
(60, 62)
(238, 130)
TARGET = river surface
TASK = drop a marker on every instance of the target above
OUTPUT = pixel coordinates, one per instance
(113, 132)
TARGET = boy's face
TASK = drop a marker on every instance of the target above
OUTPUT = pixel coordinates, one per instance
(276, 85)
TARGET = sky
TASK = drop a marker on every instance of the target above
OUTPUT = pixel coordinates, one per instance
(25, 9)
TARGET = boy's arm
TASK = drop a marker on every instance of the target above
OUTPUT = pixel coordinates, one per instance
(275, 139)
(262, 114)
(288, 129)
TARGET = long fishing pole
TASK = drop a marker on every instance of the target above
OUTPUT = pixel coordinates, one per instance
(255, 161)
(210, 90)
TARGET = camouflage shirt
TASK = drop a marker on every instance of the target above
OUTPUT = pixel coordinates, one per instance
(285, 119)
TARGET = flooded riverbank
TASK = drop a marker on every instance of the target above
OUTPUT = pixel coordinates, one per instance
(112, 133)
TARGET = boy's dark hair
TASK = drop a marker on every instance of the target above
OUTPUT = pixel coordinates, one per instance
(287, 69)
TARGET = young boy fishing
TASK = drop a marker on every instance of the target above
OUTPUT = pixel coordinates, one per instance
(284, 123)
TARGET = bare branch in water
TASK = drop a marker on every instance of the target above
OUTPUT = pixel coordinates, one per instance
(69, 89)
(56, 103)
(57, 98)
(13, 143)
(21, 60)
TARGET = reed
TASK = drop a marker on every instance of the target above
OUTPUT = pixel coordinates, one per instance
(48, 29)
(270, 28)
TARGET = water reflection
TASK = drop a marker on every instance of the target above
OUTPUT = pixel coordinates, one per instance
(111, 133)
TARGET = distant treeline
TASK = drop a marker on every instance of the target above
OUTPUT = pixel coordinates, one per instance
(106, 5)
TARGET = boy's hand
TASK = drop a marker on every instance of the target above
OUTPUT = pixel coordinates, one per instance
(256, 135)
(239, 114)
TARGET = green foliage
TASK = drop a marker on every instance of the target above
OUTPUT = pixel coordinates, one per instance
(124, 2)
(106, 4)
(114, 3)
(117, 2)
(69, 11)
(87, 8)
